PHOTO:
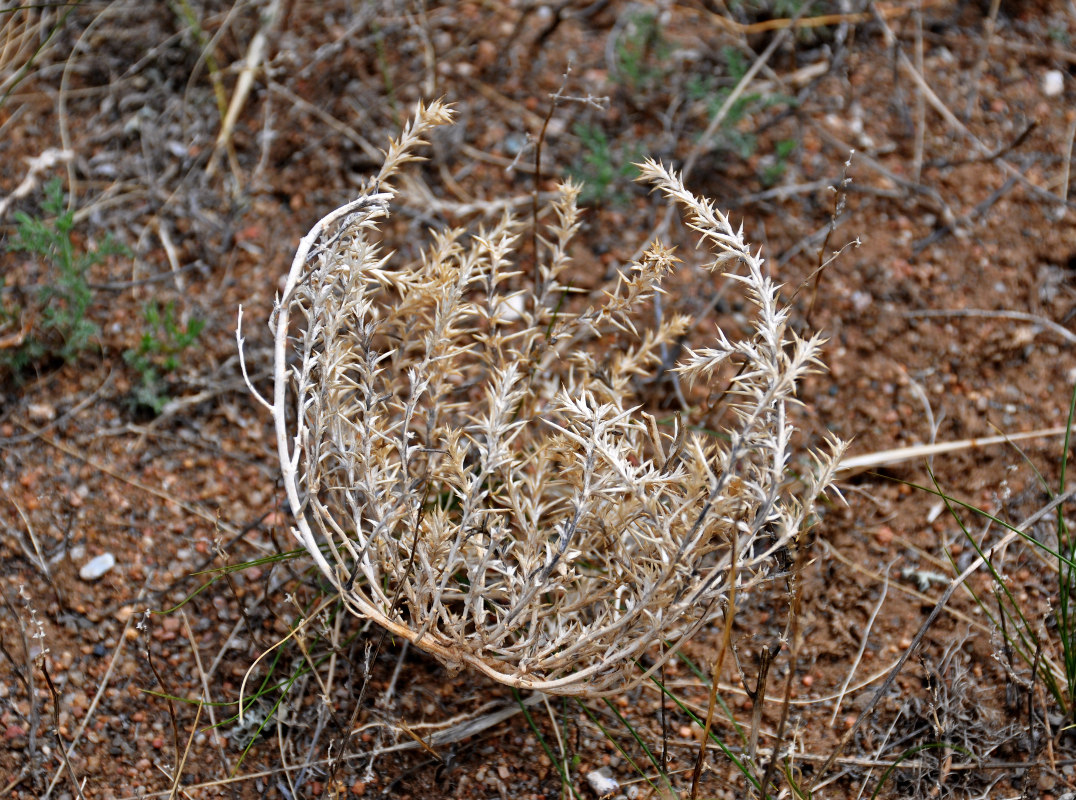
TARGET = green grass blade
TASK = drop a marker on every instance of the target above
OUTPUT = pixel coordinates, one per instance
(545, 745)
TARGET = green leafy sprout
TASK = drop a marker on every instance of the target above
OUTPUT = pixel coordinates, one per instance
(641, 51)
(704, 88)
(158, 353)
(604, 169)
(63, 330)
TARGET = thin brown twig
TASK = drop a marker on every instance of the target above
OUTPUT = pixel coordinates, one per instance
(26, 678)
(101, 688)
(726, 639)
(342, 128)
(766, 658)
(182, 762)
(840, 201)
(892, 11)
(207, 699)
(920, 101)
(554, 100)
(795, 638)
(75, 785)
(965, 220)
(1070, 138)
(739, 690)
(985, 158)
(989, 26)
(172, 716)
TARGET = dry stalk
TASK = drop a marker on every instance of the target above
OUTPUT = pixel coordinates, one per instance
(468, 463)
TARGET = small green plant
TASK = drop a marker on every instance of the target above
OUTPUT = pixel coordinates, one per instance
(56, 327)
(775, 169)
(1059, 36)
(641, 51)
(704, 88)
(767, 9)
(158, 354)
(605, 171)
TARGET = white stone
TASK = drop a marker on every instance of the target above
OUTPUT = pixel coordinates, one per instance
(1053, 83)
(96, 567)
(602, 784)
(40, 413)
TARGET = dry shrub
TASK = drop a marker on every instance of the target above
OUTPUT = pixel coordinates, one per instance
(470, 470)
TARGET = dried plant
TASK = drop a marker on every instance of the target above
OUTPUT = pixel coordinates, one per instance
(470, 467)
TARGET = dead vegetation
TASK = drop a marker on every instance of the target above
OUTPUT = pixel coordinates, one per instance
(208, 138)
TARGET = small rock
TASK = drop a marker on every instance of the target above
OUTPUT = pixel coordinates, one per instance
(1053, 83)
(602, 784)
(171, 624)
(96, 567)
(40, 413)
(862, 300)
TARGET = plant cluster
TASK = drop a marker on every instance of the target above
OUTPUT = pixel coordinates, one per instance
(469, 463)
(158, 353)
(641, 52)
(731, 136)
(56, 325)
(601, 170)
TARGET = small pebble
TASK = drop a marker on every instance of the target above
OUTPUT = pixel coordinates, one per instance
(96, 567)
(40, 413)
(1053, 83)
(602, 784)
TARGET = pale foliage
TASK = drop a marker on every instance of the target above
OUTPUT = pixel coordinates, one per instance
(470, 470)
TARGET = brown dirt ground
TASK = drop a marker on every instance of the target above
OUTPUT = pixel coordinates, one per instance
(975, 219)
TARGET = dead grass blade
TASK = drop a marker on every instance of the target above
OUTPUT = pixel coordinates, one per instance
(854, 465)
(251, 64)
